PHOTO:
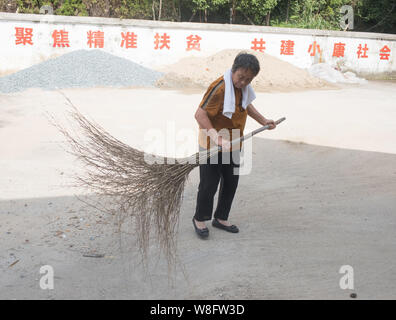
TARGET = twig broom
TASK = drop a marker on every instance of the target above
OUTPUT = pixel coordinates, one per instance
(148, 193)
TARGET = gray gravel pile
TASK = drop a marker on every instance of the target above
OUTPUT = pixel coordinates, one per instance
(83, 69)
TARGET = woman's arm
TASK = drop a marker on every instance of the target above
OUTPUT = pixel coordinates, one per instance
(252, 112)
(204, 123)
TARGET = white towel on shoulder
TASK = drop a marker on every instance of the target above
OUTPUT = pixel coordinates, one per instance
(248, 95)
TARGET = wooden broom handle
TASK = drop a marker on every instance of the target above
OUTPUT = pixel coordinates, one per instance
(214, 150)
(251, 134)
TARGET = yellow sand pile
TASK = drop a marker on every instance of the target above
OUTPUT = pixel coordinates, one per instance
(275, 74)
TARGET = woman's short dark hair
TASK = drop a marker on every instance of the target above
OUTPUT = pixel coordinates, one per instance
(246, 61)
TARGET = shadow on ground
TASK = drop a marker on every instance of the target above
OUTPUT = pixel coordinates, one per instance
(303, 212)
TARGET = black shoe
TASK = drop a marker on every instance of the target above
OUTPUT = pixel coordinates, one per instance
(217, 224)
(203, 233)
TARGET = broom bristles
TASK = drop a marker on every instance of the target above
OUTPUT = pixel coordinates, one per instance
(148, 194)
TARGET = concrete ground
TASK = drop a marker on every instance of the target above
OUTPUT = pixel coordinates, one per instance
(321, 195)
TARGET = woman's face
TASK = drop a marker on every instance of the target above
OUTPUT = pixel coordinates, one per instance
(242, 77)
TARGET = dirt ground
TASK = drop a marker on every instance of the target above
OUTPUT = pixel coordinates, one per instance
(321, 195)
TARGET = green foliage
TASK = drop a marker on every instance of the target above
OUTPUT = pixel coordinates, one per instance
(29, 6)
(376, 15)
(201, 4)
(72, 8)
(257, 10)
(314, 14)
(369, 15)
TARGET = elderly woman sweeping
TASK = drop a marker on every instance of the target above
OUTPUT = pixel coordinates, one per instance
(149, 194)
(224, 107)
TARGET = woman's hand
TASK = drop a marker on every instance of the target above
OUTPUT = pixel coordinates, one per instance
(224, 143)
(219, 140)
(270, 122)
(252, 112)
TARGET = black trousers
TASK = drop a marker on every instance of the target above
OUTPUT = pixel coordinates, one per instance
(210, 175)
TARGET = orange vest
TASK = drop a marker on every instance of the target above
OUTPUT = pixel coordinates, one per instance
(212, 103)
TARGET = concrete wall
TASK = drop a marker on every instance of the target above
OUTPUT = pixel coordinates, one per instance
(21, 47)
